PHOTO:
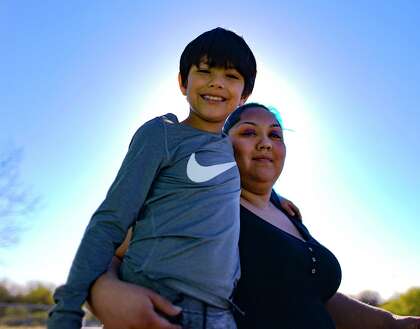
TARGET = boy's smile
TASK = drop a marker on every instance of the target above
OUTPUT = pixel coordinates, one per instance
(213, 93)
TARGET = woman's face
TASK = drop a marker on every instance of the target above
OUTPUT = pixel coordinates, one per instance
(259, 148)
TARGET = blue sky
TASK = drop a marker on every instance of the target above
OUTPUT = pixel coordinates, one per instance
(77, 79)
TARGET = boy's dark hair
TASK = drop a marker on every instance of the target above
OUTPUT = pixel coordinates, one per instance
(235, 116)
(220, 48)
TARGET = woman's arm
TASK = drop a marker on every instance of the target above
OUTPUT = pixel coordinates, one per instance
(349, 313)
(122, 305)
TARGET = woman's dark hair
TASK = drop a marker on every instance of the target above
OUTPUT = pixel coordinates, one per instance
(220, 48)
(235, 116)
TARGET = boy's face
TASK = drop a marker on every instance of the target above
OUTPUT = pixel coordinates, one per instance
(213, 93)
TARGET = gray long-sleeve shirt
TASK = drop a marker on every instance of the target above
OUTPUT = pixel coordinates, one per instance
(180, 188)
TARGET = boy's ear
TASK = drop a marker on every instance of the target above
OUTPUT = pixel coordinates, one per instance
(181, 86)
(243, 100)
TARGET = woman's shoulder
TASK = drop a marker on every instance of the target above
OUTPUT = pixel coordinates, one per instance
(297, 220)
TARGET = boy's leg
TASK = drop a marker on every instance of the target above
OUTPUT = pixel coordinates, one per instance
(197, 315)
(219, 320)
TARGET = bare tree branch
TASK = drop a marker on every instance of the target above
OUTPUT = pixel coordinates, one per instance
(16, 200)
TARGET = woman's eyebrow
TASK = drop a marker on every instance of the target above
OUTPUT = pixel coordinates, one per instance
(274, 125)
(248, 122)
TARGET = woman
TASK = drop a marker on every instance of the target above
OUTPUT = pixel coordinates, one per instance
(284, 270)
(289, 280)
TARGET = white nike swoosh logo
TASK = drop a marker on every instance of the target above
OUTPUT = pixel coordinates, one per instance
(199, 174)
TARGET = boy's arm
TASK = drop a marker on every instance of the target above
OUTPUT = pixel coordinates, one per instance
(349, 313)
(109, 224)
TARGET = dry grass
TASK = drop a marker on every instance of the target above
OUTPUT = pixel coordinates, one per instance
(37, 327)
(23, 327)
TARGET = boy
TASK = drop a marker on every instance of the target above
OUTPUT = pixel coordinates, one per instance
(179, 187)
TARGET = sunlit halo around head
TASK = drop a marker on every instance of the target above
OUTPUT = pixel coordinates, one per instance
(272, 89)
(276, 91)
(161, 98)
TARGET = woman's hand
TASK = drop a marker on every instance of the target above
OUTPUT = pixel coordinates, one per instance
(290, 208)
(122, 305)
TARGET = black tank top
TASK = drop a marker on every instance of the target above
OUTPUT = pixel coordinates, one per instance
(285, 281)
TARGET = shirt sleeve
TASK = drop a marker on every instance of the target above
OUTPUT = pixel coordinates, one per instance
(110, 222)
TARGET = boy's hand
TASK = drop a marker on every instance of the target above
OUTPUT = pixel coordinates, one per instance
(290, 208)
(122, 305)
